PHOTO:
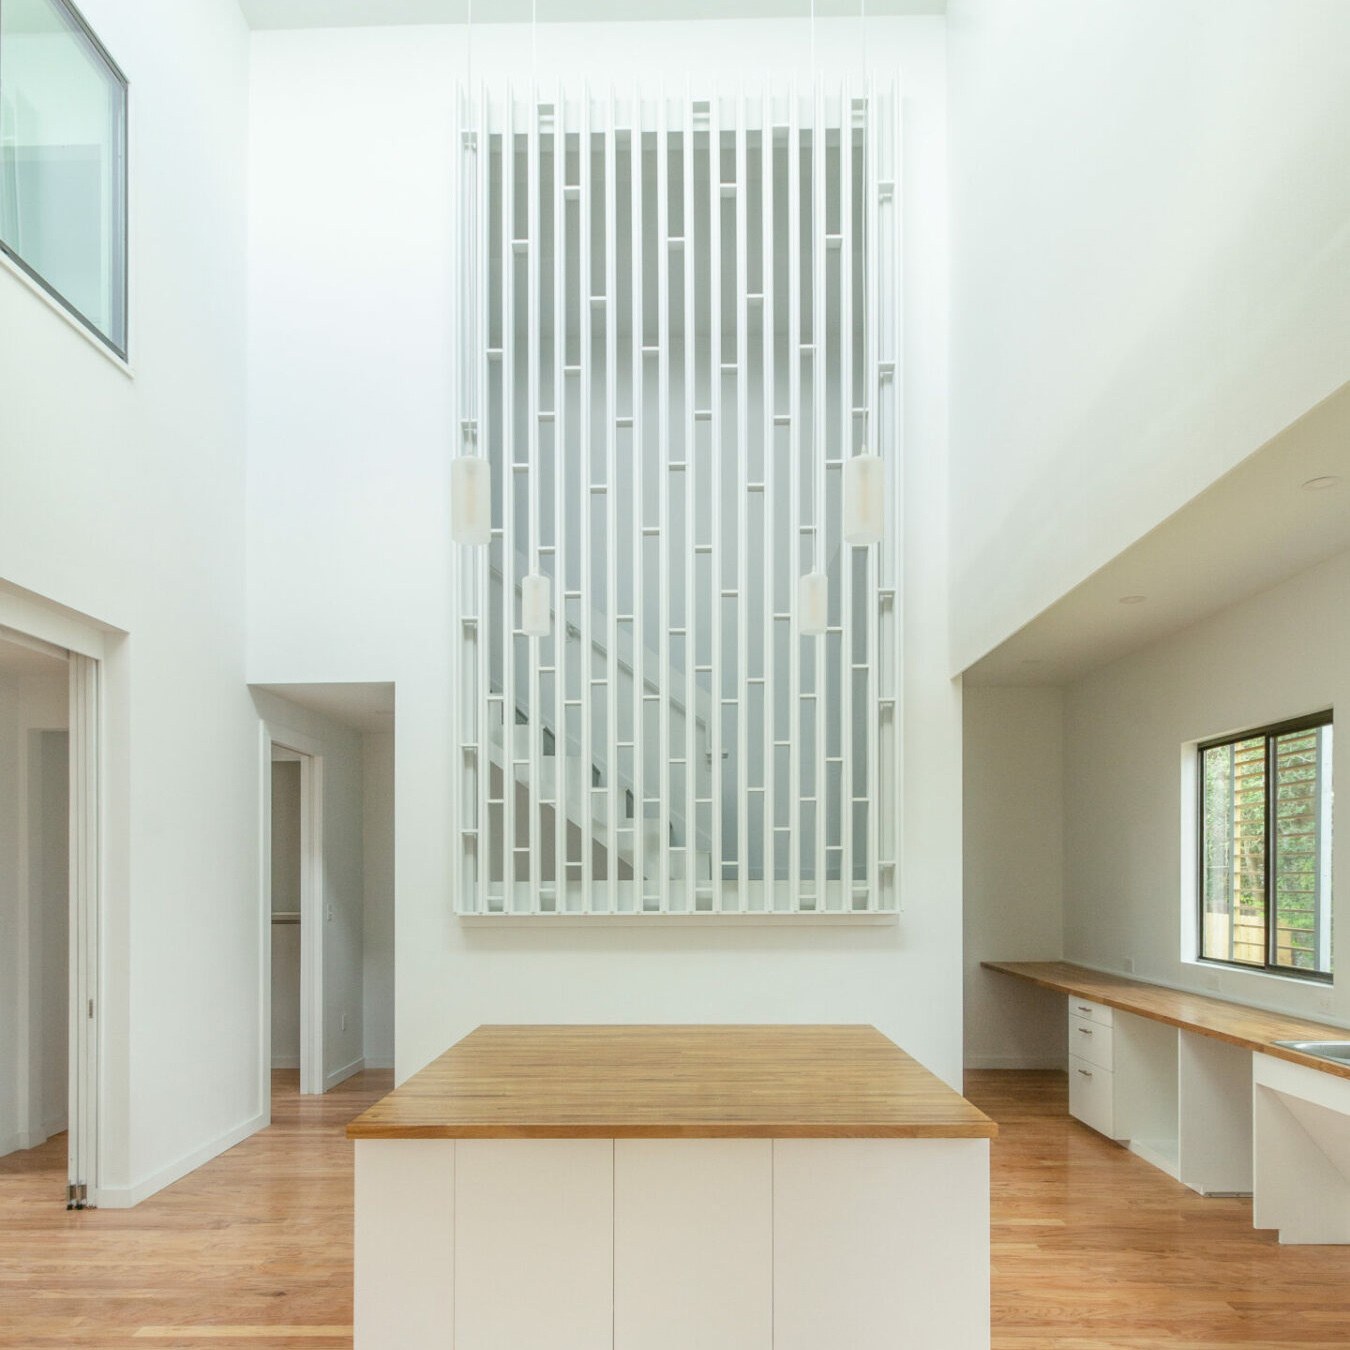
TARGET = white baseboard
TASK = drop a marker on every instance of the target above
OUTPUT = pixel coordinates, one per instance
(379, 1062)
(1027, 1062)
(12, 1143)
(285, 1061)
(341, 1075)
(124, 1197)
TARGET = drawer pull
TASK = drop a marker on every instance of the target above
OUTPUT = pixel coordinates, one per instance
(1085, 1031)
(1085, 1007)
(1085, 1072)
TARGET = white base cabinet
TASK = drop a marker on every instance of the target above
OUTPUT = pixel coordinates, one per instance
(1176, 1099)
(668, 1244)
(1302, 1152)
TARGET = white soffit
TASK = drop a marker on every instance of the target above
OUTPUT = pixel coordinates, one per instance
(368, 13)
(362, 707)
(1255, 527)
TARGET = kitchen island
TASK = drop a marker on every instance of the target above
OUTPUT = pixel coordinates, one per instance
(654, 1187)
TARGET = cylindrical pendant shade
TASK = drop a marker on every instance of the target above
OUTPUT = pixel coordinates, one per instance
(864, 500)
(536, 605)
(470, 500)
(813, 604)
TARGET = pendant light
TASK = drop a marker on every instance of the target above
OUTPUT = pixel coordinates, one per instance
(536, 605)
(470, 473)
(864, 507)
(813, 604)
(471, 500)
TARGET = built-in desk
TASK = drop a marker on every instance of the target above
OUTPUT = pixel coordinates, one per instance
(664, 1187)
(1200, 1087)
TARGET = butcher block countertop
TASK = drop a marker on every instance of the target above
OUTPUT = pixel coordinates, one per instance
(1236, 1023)
(673, 1082)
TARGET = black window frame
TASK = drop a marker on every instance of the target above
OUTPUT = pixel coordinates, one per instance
(119, 349)
(1271, 733)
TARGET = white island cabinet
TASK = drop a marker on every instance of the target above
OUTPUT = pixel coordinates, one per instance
(660, 1188)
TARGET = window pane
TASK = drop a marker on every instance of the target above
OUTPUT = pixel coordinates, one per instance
(1303, 849)
(62, 151)
(1234, 852)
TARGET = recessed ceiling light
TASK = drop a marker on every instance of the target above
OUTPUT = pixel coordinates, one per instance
(1133, 599)
(1327, 480)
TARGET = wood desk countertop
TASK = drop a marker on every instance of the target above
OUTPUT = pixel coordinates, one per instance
(673, 1082)
(1251, 1028)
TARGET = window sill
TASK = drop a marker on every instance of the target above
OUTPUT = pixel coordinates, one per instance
(1287, 976)
(57, 308)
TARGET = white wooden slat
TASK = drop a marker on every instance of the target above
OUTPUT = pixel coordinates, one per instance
(794, 199)
(820, 329)
(690, 506)
(637, 513)
(587, 650)
(875, 429)
(533, 236)
(847, 436)
(890, 295)
(611, 312)
(664, 339)
(482, 563)
(770, 499)
(742, 586)
(560, 639)
(715, 464)
(508, 444)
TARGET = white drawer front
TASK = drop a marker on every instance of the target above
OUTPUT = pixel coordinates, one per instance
(1090, 1095)
(1093, 1012)
(1090, 1041)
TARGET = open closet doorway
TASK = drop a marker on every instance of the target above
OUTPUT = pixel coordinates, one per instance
(49, 869)
(328, 885)
(295, 892)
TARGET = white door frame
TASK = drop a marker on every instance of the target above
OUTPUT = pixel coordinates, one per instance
(86, 849)
(310, 756)
(32, 623)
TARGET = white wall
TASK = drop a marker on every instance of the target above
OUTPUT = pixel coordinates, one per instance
(1151, 270)
(337, 749)
(1014, 873)
(377, 821)
(1281, 654)
(123, 500)
(352, 333)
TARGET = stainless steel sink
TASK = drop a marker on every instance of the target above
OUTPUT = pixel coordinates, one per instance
(1337, 1051)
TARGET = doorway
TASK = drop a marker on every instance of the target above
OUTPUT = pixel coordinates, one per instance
(49, 872)
(294, 876)
(328, 882)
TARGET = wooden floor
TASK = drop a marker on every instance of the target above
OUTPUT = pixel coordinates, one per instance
(1093, 1249)
(252, 1250)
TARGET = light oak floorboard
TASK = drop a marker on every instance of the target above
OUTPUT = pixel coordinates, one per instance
(1093, 1249)
(252, 1250)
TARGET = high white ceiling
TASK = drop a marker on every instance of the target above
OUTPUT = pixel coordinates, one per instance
(1255, 527)
(363, 707)
(365, 13)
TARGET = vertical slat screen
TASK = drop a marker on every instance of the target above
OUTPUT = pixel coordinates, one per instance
(681, 316)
